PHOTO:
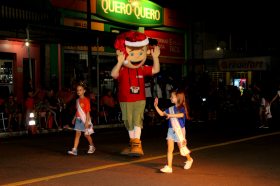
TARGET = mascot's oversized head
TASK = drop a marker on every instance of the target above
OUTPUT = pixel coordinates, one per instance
(134, 46)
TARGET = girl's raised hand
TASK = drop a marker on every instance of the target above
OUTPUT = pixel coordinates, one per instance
(156, 102)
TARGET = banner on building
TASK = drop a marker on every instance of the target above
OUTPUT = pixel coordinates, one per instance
(171, 44)
(244, 64)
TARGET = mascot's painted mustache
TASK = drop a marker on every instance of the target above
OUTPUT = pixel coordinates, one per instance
(132, 49)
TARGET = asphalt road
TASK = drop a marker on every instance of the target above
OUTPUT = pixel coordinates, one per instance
(223, 155)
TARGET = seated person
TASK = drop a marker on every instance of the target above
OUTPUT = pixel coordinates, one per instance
(67, 99)
(109, 104)
(52, 105)
(93, 109)
(14, 111)
(29, 104)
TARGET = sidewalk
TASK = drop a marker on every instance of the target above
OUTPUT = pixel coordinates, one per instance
(6, 134)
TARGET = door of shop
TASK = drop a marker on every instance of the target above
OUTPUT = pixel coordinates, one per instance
(26, 75)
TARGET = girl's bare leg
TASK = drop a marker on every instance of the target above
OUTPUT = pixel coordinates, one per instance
(77, 139)
(189, 158)
(170, 148)
(88, 137)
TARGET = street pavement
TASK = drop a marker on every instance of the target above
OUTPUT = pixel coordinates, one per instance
(223, 153)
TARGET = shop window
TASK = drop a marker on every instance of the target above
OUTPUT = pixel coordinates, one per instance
(69, 66)
(218, 78)
(6, 75)
(106, 65)
(241, 84)
(239, 79)
(6, 72)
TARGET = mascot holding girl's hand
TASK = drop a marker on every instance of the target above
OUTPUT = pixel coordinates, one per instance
(132, 49)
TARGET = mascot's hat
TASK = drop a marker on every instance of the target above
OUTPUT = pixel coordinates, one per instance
(131, 39)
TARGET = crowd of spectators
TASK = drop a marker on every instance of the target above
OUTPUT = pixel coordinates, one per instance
(208, 100)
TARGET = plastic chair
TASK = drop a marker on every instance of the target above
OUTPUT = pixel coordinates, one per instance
(42, 115)
(3, 118)
(103, 114)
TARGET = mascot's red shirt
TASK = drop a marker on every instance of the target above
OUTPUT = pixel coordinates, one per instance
(132, 77)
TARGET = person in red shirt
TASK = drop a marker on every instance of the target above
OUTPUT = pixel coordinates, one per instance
(108, 99)
(132, 49)
(109, 105)
(82, 121)
(29, 104)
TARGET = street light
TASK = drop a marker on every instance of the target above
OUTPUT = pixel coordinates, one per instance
(27, 43)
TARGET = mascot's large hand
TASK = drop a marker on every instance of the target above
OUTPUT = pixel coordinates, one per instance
(155, 52)
(120, 57)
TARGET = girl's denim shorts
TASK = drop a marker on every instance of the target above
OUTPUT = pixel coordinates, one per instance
(79, 125)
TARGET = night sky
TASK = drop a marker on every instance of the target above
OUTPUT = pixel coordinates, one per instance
(254, 21)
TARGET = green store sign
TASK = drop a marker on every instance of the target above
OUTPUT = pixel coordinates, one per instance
(135, 12)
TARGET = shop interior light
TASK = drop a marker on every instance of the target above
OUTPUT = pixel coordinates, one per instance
(31, 115)
(32, 122)
(218, 48)
(115, 31)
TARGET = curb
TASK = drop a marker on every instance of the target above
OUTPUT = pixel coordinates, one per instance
(45, 131)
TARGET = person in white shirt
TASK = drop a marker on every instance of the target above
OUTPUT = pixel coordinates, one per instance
(265, 113)
(148, 92)
(276, 96)
(157, 89)
(168, 88)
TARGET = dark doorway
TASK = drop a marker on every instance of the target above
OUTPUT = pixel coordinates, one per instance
(27, 85)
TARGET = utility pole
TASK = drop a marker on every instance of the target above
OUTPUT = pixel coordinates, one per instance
(230, 41)
(29, 56)
(97, 78)
(89, 61)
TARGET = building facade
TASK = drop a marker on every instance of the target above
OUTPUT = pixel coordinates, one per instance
(72, 41)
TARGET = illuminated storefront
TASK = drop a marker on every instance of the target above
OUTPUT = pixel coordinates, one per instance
(15, 69)
(240, 72)
(115, 16)
(63, 37)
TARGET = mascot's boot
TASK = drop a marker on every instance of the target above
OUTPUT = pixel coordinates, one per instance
(136, 148)
(127, 150)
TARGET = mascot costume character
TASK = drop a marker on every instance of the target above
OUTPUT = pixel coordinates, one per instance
(132, 49)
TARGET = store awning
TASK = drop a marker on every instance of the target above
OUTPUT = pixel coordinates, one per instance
(170, 60)
(57, 34)
(70, 35)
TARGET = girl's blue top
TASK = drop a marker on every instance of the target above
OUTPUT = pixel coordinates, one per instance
(182, 121)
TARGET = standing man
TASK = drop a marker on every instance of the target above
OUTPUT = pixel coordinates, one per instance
(132, 49)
